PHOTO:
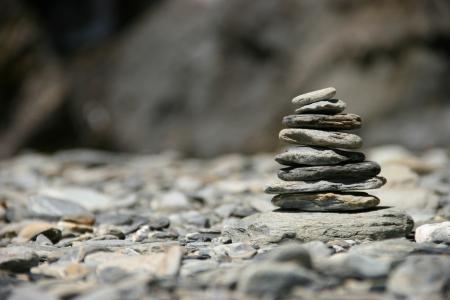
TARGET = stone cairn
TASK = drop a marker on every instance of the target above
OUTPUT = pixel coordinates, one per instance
(320, 175)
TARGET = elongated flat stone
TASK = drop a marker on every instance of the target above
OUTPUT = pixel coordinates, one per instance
(355, 171)
(311, 97)
(312, 137)
(275, 226)
(329, 122)
(290, 187)
(326, 201)
(331, 106)
(317, 156)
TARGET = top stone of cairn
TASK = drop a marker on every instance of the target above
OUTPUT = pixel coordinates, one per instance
(311, 97)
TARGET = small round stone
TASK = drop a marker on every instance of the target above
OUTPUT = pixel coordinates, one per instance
(31, 231)
(326, 201)
(312, 137)
(433, 233)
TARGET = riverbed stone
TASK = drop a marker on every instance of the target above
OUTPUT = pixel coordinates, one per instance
(289, 187)
(271, 280)
(324, 122)
(326, 201)
(317, 156)
(312, 137)
(47, 207)
(272, 227)
(33, 230)
(421, 277)
(433, 233)
(355, 171)
(18, 259)
(314, 96)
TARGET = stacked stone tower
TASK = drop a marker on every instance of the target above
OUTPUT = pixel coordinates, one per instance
(322, 172)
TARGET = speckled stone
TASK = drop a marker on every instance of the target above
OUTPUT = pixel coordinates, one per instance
(326, 201)
(290, 187)
(276, 226)
(312, 137)
(331, 106)
(355, 171)
(328, 122)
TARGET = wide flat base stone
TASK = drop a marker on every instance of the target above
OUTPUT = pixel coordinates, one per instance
(275, 226)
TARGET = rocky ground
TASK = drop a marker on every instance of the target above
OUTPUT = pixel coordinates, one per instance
(93, 225)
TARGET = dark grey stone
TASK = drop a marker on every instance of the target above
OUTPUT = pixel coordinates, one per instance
(158, 222)
(355, 171)
(328, 122)
(274, 279)
(114, 219)
(53, 234)
(312, 137)
(272, 227)
(18, 259)
(317, 156)
(292, 252)
(291, 187)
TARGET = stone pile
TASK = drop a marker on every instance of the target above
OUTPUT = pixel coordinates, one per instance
(320, 172)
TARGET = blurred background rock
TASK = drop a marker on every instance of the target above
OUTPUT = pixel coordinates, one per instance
(213, 76)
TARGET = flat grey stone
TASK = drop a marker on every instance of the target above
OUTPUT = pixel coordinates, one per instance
(88, 198)
(289, 187)
(29, 292)
(326, 201)
(392, 250)
(273, 280)
(352, 265)
(331, 106)
(317, 156)
(311, 97)
(421, 277)
(290, 252)
(275, 226)
(330, 122)
(355, 171)
(312, 137)
(52, 208)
